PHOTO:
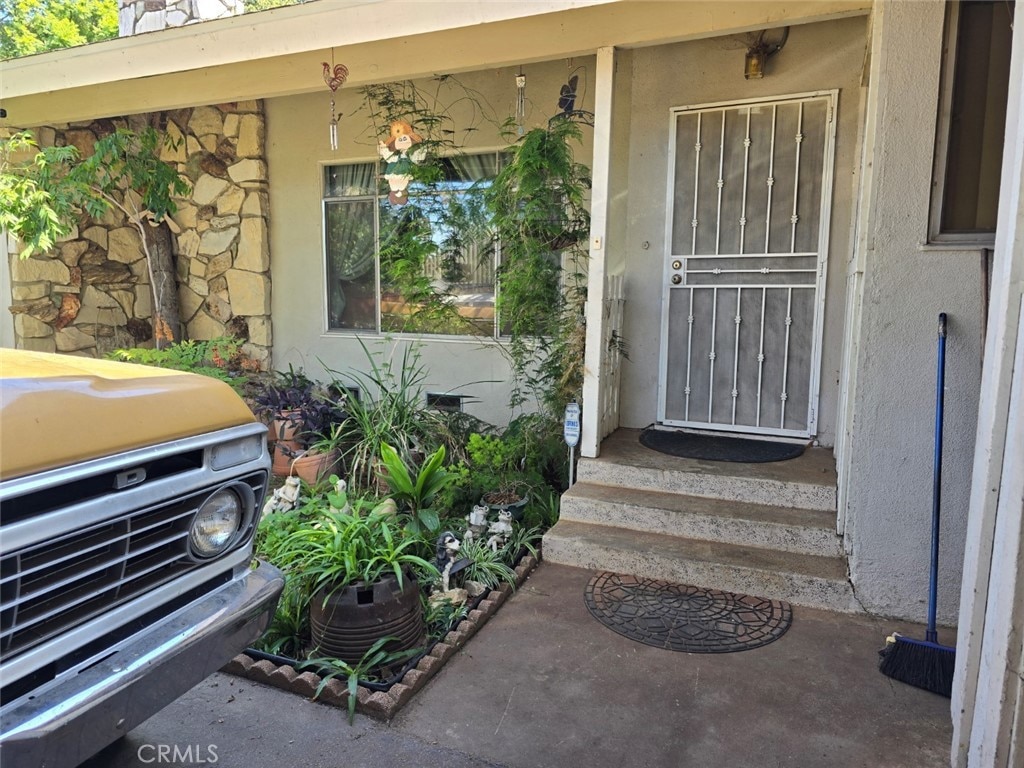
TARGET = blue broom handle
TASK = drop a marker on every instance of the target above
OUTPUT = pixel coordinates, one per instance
(931, 635)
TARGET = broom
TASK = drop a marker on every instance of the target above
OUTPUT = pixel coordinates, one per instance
(925, 663)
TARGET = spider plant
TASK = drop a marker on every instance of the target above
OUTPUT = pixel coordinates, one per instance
(369, 666)
(486, 566)
(343, 545)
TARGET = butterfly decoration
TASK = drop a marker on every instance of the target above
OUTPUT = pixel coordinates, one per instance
(567, 96)
(336, 78)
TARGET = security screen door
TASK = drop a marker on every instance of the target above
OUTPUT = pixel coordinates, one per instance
(750, 186)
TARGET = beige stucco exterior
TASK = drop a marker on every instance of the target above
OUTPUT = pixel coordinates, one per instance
(297, 154)
(885, 286)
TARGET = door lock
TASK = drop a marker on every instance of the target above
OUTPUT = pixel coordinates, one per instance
(677, 279)
(677, 264)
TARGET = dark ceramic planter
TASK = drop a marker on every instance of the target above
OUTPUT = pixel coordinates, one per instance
(347, 622)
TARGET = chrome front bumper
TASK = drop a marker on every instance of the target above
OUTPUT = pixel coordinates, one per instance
(69, 721)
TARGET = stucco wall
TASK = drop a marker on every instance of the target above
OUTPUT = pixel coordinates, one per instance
(816, 57)
(297, 151)
(905, 286)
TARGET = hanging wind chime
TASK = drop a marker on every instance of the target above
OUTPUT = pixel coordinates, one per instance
(335, 78)
(520, 102)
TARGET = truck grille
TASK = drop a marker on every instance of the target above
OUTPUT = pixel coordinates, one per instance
(48, 588)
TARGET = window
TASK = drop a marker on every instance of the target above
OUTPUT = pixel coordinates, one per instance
(972, 120)
(426, 267)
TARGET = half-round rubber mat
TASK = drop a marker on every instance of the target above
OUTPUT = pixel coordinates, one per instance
(678, 617)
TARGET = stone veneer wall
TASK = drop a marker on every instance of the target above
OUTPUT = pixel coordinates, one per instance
(137, 16)
(92, 293)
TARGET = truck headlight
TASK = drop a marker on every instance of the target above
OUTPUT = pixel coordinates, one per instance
(216, 524)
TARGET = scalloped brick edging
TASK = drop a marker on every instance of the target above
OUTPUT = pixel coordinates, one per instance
(382, 705)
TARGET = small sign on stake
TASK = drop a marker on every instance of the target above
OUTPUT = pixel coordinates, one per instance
(571, 431)
(571, 425)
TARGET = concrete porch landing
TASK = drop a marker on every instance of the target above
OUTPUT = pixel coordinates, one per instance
(762, 529)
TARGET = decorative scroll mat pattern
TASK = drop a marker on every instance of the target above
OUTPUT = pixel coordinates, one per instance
(678, 617)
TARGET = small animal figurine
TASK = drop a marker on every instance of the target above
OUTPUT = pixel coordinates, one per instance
(446, 558)
(500, 531)
(284, 498)
(477, 520)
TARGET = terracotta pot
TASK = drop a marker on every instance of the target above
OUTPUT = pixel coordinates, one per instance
(287, 425)
(285, 452)
(314, 467)
(348, 622)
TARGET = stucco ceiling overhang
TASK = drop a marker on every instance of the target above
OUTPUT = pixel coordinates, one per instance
(279, 52)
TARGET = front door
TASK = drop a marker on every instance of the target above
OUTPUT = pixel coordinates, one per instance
(750, 185)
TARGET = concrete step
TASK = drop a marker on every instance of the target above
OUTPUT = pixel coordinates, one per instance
(762, 526)
(806, 482)
(814, 581)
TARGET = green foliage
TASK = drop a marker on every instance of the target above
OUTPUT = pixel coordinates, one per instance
(442, 616)
(398, 417)
(219, 358)
(375, 658)
(417, 495)
(487, 566)
(36, 26)
(37, 201)
(42, 189)
(344, 544)
(289, 628)
(539, 207)
(124, 160)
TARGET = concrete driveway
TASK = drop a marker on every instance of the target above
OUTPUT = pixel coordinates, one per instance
(543, 684)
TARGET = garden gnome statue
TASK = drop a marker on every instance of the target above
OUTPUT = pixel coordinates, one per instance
(400, 157)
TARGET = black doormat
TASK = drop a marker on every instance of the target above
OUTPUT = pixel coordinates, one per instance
(689, 445)
(678, 617)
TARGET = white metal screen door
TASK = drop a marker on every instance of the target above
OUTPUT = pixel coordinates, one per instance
(749, 196)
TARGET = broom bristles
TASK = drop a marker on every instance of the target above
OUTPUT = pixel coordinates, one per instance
(919, 663)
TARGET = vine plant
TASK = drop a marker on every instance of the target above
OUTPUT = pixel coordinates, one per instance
(538, 204)
(535, 211)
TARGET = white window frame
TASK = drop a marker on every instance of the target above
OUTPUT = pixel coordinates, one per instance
(376, 198)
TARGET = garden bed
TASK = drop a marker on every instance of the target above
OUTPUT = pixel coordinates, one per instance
(381, 704)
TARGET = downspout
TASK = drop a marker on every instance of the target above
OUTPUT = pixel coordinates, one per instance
(590, 436)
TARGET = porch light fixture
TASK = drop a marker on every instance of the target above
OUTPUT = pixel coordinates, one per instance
(335, 78)
(759, 52)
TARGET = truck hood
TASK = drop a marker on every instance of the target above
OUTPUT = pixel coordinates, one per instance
(57, 410)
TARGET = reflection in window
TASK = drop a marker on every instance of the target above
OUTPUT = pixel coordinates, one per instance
(427, 267)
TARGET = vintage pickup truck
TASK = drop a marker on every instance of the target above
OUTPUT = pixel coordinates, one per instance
(129, 497)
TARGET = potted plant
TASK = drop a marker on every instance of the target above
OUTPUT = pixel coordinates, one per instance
(497, 468)
(318, 461)
(397, 417)
(301, 412)
(361, 569)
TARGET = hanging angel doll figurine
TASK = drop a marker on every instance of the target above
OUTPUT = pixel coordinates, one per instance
(400, 157)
